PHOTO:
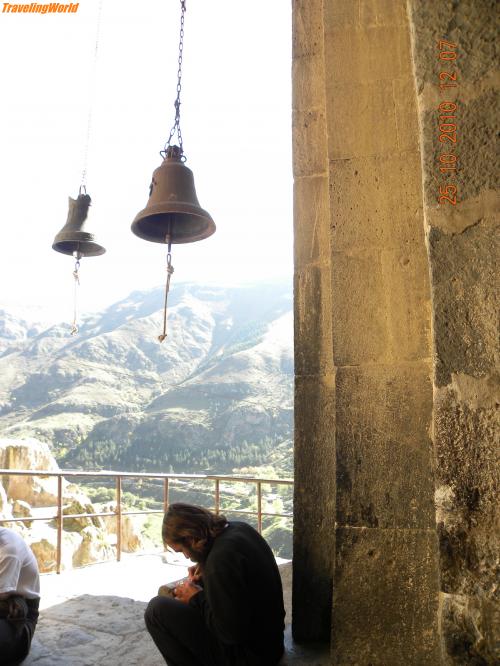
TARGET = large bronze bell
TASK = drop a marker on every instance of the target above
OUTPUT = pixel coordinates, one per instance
(173, 213)
(72, 238)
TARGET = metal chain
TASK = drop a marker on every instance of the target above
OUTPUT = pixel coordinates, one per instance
(170, 270)
(91, 98)
(176, 128)
(76, 276)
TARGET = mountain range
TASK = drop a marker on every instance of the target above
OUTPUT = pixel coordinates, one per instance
(216, 395)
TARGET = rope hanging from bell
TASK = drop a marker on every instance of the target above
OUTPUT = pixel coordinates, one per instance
(76, 276)
(173, 213)
(72, 239)
(170, 270)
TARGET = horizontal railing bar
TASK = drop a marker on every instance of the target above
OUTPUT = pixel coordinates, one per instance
(80, 515)
(256, 513)
(21, 520)
(83, 515)
(103, 515)
(133, 513)
(143, 512)
(142, 475)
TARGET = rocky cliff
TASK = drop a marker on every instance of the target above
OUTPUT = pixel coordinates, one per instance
(84, 540)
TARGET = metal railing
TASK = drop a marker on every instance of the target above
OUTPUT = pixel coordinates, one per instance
(60, 516)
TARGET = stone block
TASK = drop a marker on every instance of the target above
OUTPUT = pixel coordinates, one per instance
(407, 129)
(376, 202)
(315, 444)
(353, 110)
(309, 143)
(385, 599)
(380, 306)
(383, 447)
(367, 54)
(382, 13)
(308, 76)
(312, 321)
(408, 298)
(314, 512)
(465, 299)
(367, 13)
(342, 13)
(311, 221)
(359, 317)
(307, 27)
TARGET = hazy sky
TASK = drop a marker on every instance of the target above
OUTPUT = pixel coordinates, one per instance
(236, 124)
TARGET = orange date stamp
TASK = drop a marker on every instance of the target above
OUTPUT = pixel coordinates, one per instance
(447, 125)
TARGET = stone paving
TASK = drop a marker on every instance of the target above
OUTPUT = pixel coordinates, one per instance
(94, 616)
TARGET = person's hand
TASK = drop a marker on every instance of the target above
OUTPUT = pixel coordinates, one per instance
(185, 590)
(194, 573)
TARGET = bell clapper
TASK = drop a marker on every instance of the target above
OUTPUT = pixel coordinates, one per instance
(170, 270)
(74, 326)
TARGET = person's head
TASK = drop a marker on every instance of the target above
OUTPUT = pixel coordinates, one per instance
(191, 530)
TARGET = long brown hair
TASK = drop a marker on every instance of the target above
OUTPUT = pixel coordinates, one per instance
(193, 527)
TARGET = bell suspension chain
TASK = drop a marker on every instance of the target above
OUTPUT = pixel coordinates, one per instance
(91, 97)
(176, 128)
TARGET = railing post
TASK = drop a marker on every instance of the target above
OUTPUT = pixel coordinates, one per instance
(118, 518)
(259, 507)
(59, 524)
(166, 489)
(217, 496)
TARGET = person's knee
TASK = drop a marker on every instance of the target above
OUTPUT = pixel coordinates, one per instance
(158, 610)
(151, 610)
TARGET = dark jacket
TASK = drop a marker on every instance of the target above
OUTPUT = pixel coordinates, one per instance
(242, 599)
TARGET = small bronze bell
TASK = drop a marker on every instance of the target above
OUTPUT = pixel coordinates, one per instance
(173, 213)
(72, 239)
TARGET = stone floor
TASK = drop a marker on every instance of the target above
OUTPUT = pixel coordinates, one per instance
(94, 616)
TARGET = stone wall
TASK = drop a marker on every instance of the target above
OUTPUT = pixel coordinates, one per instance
(395, 338)
(463, 253)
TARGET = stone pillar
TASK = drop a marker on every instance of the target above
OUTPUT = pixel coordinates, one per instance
(363, 343)
(464, 251)
(386, 569)
(314, 505)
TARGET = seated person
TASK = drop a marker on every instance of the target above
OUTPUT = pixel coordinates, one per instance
(230, 611)
(19, 597)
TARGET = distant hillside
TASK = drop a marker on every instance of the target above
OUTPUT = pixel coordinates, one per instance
(216, 395)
